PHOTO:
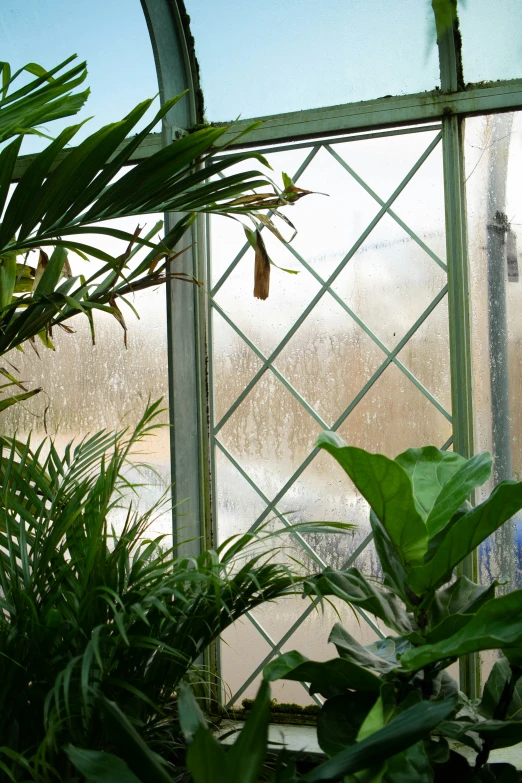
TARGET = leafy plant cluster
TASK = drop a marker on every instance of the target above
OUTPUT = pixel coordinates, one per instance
(392, 713)
(391, 707)
(98, 627)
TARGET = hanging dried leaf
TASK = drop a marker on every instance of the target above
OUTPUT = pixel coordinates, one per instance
(43, 260)
(119, 317)
(261, 269)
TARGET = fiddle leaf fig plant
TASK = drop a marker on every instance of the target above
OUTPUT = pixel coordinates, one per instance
(423, 527)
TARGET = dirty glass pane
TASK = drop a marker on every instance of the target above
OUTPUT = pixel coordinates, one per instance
(279, 57)
(112, 37)
(87, 388)
(342, 345)
(491, 45)
(494, 167)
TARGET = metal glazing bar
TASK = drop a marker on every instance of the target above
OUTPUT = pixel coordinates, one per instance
(332, 278)
(277, 647)
(298, 537)
(274, 369)
(302, 617)
(343, 139)
(304, 165)
(266, 636)
(352, 405)
(381, 113)
(461, 363)
(373, 336)
(446, 445)
(391, 213)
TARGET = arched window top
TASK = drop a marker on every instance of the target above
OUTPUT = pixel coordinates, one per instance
(111, 36)
(258, 60)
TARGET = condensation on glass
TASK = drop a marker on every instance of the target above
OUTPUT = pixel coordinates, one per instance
(87, 388)
(491, 45)
(111, 36)
(298, 54)
(493, 148)
(367, 356)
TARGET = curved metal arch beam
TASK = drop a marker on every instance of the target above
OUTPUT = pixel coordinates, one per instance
(176, 64)
(177, 69)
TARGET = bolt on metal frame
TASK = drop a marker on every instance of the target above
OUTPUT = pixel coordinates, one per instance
(190, 327)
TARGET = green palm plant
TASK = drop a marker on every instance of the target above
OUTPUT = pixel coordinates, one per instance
(88, 614)
(65, 194)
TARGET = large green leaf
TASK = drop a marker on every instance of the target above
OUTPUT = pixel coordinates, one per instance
(429, 469)
(394, 573)
(337, 672)
(493, 688)
(471, 475)
(379, 656)
(461, 596)
(401, 733)
(497, 733)
(101, 767)
(340, 719)
(496, 625)
(353, 587)
(207, 760)
(465, 535)
(247, 754)
(388, 489)
(410, 766)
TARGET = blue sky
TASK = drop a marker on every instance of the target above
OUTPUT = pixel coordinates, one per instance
(281, 55)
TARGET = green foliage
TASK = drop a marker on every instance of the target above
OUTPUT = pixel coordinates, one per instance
(208, 760)
(423, 526)
(64, 195)
(98, 628)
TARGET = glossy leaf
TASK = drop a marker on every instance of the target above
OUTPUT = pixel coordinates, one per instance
(353, 587)
(463, 537)
(340, 719)
(394, 573)
(429, 470)
(461, 596)
(410, 766)
(496, 625)
(101, 767)
(471, 475)
(379, 656)
(337, 672)
(247, 754)
(207, 760)
(401, 733)
(493, 688)
(388, 489)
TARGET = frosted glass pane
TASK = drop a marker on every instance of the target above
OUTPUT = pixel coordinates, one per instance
(112, 37)
(335, 358)
(279, 57)
(491, 45)
(494, 167)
